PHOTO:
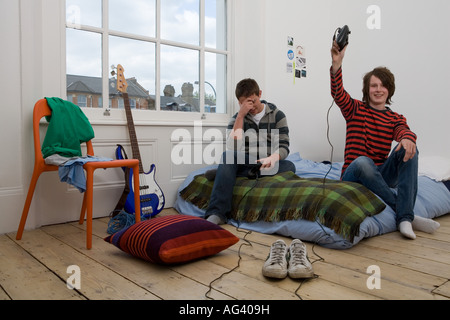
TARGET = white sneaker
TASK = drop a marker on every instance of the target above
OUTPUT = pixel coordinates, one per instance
(299, 264)
(276, 264)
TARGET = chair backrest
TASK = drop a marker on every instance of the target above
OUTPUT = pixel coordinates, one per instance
(41, 109)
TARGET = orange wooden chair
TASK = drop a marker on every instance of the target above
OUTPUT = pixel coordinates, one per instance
(41, 109)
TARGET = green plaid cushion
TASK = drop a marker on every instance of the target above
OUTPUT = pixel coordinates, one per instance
(338, 205)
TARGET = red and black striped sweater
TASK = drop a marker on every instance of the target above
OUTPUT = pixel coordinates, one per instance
(370, 132)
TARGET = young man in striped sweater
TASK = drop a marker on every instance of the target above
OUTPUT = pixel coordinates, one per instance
(257, 133)
(371, 128)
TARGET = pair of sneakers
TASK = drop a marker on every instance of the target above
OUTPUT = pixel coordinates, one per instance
(283, 261)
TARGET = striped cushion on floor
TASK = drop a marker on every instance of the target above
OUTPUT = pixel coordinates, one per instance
(173, 239)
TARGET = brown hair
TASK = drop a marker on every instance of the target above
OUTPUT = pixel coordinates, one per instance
(386, 77)
(246, 88)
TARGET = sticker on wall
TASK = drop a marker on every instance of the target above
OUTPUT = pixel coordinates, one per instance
(290, 41)
(290, 67)
(290, 55)
(296, 59)
(300, 62)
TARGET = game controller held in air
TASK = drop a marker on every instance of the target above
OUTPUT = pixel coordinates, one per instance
(255, 172)
(341, 37)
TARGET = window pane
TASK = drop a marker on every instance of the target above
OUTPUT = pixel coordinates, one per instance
(215, 83)
(138, 60)
(137, 16)
(84, 67)
(84, 12)
(179, 69)
(179, 72)
(215, 24)
(180, 21)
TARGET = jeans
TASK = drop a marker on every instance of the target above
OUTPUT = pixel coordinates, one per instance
(233, 165)
(394, 173)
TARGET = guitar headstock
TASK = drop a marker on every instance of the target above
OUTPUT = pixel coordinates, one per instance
(122, 84)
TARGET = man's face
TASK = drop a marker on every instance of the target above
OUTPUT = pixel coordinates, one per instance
(253, 102)
(378, 93)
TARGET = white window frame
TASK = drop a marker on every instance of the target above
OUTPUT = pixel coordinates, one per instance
(158, 117)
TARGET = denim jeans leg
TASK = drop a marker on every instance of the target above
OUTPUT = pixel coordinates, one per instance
(364, 171)
(285, 166)
(280, 167)
(403, 176)
(232, 165)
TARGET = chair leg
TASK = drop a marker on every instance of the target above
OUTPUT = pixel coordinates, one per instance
(89, 197)
(26, 207)
(88, 202)
(83, 210)
(137, 198)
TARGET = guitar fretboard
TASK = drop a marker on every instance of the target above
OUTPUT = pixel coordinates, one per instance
(132, 132)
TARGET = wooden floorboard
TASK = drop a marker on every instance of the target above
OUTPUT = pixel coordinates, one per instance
(36, 267)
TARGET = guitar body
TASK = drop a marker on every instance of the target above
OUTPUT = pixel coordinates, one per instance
(151, 195)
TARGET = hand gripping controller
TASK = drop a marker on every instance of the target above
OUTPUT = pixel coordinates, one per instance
(254, 172)
(341, 37)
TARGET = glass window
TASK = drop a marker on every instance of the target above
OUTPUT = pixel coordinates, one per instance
(138, 60)
(84, 64)
(215, 82)
(180, 21)
(84, 53)
(82, 101)
(215, 24)
(84, 12)
(179, 72)
(174, 56)
(134, 17)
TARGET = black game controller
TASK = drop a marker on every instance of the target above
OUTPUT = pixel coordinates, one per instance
(341, 37)
(255, 172)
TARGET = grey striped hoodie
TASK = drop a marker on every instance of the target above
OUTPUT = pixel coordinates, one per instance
(272, 134)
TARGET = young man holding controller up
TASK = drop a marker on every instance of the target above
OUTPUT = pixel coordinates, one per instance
(371, 128)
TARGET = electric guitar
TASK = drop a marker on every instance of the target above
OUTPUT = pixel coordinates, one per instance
(151, 195)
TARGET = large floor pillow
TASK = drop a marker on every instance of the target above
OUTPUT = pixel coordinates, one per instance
(173, 239)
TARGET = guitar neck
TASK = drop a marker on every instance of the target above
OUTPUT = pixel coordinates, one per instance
(132, 132)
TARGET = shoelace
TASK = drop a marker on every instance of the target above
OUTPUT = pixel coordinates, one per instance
(276, 253)
(298, 254)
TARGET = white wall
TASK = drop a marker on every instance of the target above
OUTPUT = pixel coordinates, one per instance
(413, 41)
(11, 174)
